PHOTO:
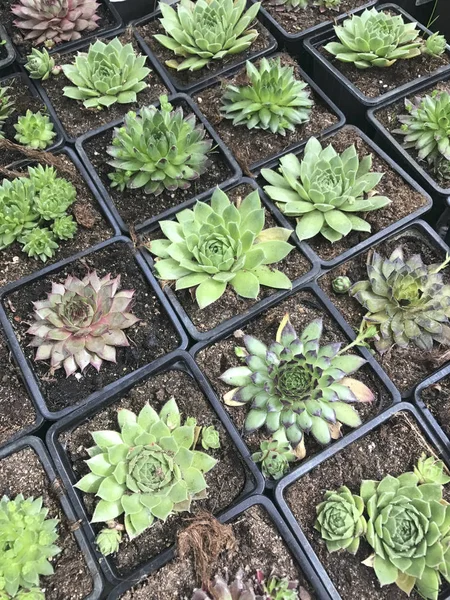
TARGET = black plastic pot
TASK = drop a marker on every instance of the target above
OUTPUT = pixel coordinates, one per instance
(38, 447)
(325, 305)
(306, 248)
(230, 515)
(81, 46)
(341, 90)
(258, 165)
(115, 23)
(428, 415)
(202, 81)
(331, 452)
(429, 237)
(392, 145)
(218, 145)
(31, 380)
(177, 360)
(10, 52)
(235, 321)
(130, 10)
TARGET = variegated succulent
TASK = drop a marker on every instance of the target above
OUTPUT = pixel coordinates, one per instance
(250, 588)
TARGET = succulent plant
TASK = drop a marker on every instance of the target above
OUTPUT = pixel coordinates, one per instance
(324, 189)
(105, 74)
(375, 39)
(64, 227)
(34, 130)
(328, 5)
(406, 300)
(253, 588)
(289, 4)
(33, 594)
(82, 322)
(341, 284)
(39, 243)
(27, 543)
(274, 99)
(340, 520)
(430, 470)
(406, 527)
(108, 540)
(40, 65)
(55, 21)
(6, 107)
(296, 385)
(206, 30)
(275, 455)
(210, 437)
(148, 470)
(159, 149)
(426, 126)
(217, 244)
(435, 45)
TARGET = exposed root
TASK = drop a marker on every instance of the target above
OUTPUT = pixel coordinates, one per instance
(40, 156)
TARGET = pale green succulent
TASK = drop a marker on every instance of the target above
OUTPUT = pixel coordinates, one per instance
(39, 243)
(340, 520)
(210, 438)
(148, 470)
(430, 470)
(375, 39)
(295, 385)
(341, 284)
(34, 130)
(435, 44)
(406, 300)
(108, 540)
(206, 30)
(324, 189)
(289, 4)
(6, 107)
(158, 150)
(273, 99)
(64, 227)
(328, 5)
(219, 244)
(275, 455)
(27, 544)
(40, 65)
(107, 73)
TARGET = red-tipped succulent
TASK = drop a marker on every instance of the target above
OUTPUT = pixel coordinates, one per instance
(82, 322)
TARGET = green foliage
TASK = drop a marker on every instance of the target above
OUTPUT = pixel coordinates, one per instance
(406, 300)
(26, 544)
(108, 540)
(435, 44)
(34, 130)
(289, 4)
(217, 244)
(296, 385)
(210, 437)
(81, 322)
(375, 39)
(341, 284)
(105, 74)
(274, 99)
(31, 206)
(206, 30)
(40, 65)
(33, 594)
(430, 470)
(328, 5)
(149, 470)
(275, 455)
(252, 588)
(324, 189)
(159, 149)
(280, 588)
(340, 520)
(6, 107)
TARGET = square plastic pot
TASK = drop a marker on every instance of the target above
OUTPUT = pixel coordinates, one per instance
(217, 144)
(280, 490)
(10, 51)
(429, 237)
(345, 93)
(392, 145)
(372, 239)
(230, 515)
(29, 375)
(428, 415)
(179, 361)
(171, 74)
(237, 320)
(38, 447)
(325, 305)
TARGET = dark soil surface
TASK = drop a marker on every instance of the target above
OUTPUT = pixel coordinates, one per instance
(254, 145)
(391, 449)
(92, 228)
(388, 117)
(77, 119)
(436, 398)
(152, 337)
(229, 305)
(302, 307)
(133, 205)
(16, 410)
(191, 78)
(404, 198)
(225, 481)
(406, 367)
(295, 22)
(22, 473)
(23, 46)
(258, 546)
